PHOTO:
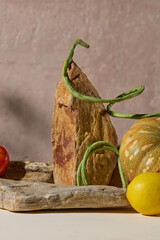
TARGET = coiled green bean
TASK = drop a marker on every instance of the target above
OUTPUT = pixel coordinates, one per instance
(101, 145)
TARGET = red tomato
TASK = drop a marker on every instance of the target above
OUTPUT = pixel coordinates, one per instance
(4, 160)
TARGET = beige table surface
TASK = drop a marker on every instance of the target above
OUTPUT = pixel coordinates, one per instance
(113, 224)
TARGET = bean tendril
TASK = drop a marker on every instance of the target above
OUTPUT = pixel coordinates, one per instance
(101, 145)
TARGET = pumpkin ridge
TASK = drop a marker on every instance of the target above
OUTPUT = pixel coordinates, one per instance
(150, 134)
(145, 159)
(134, 138)
(133, 164)
(147, 122)
(146, 127)
(140, 148)
(156, 167)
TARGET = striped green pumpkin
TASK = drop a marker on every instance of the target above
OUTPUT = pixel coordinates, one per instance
(140, 148)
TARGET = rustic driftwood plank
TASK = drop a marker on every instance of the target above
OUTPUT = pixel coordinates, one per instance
(29, 196)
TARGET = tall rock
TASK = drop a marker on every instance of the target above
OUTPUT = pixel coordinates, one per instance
(76, 124)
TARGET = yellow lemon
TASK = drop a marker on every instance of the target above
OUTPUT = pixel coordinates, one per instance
(143, 193)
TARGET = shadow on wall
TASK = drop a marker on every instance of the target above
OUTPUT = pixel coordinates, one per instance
(31, 127)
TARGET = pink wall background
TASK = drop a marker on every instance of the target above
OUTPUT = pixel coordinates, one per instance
(35, 37)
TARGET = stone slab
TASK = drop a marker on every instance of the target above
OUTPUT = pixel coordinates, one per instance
(76, 125)
(29, 196)
(29, 186)
(30, 171)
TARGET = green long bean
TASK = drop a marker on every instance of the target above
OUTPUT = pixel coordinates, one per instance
(124, 96)
(101, 145)
(97, 146)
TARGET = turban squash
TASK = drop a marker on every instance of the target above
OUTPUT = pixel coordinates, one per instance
(140, 148)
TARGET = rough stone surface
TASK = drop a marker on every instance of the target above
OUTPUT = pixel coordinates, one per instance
(77, 124)
(29, 196)
(30, 171)
(43, 172)
(115, 179)
(38, 192)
